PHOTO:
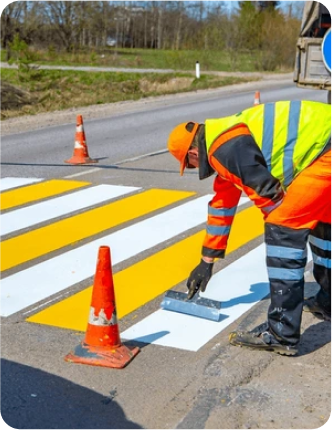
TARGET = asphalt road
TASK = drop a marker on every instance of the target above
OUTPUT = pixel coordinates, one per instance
(213, 386)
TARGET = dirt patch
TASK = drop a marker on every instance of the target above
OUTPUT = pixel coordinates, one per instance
(13, 97)
(174, 84)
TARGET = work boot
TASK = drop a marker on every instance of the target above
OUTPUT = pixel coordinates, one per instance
(311, 305)
(261, 338)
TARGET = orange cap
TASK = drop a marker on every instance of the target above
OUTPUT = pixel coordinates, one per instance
(180, 140)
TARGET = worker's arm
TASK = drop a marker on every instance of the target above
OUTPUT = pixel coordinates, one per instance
(241, 161)
(221, 211)
(241, 167)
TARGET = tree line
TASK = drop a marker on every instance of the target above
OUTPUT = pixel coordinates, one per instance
(168, 25)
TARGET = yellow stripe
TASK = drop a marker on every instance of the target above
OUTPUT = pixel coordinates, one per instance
(39, 242)
(31, 193)
(151, 277)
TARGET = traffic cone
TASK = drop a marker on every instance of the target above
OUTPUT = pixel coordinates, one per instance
(257, 99)
(80, 155)
(102, 345)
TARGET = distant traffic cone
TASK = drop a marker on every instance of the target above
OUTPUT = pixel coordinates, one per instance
(257, 99)
(102, 344)
(80, 155)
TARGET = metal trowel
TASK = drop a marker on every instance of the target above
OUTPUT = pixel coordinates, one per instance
(198, 306)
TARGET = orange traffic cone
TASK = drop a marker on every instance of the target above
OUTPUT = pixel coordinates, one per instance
(102, 344)
(80, 155)
(257, 99)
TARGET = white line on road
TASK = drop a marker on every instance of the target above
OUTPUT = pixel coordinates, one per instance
(50, 209)
(8, 183)
(238, 287)
(36, 283)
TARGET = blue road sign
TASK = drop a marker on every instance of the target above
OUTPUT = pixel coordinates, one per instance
(327, 50)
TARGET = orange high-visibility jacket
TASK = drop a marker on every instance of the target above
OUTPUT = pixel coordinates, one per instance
(259, 152)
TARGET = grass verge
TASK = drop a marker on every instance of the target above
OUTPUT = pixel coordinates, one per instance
(33, 91)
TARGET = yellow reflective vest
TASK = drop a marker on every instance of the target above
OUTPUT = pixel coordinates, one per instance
(290, 134)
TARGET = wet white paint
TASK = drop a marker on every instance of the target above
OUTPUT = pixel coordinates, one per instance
(238, 287)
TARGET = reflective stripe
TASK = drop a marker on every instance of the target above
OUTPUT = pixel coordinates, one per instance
(221, 212)
(268, 132)
(218, 231)
(285, 274)
(278, 128)
(283, 252)
(101, 319)
(320, 243)
(292, 136)
(320, 261)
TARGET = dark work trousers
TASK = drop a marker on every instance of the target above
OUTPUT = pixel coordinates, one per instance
(286, 257)
(320, 244)
(303, 216)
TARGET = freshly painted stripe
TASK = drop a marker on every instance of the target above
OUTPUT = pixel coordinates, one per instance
(31, 193)
(28, 286)
(149, 278)
(70, 230)
(8, 183)
(238, 287)
(60, 206)
(238, 290)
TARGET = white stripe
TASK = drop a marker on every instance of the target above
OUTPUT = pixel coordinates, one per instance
(238, 287)
(24, 288)
(238, 290)
(78, 145)
(40, 212)
(8, 183)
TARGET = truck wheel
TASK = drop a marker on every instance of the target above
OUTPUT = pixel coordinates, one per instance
(329, 97)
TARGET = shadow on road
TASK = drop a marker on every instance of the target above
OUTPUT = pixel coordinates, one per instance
(315, 337)
(101, 166)
(34, 399)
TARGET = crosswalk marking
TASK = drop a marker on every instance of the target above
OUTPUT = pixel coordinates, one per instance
(59, 206)
(38, 282)
(8, 183)
(144, 281)
(55, 236)
(238, 286)
(31, 193)
(238, 290)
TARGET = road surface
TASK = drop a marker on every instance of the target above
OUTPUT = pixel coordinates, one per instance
(54, 218)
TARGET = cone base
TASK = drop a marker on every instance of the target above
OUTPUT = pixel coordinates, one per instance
(115, 357)
(80, 160)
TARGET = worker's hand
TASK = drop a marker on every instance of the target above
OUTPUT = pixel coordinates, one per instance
(199, 278)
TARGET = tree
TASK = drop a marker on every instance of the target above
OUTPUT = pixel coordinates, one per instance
(264, 5)
(63, 19)
(248, 26)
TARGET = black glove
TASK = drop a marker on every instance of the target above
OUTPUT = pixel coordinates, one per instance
(199, 278)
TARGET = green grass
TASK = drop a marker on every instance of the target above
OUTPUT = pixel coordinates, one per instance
(50, 90)
(179, 60)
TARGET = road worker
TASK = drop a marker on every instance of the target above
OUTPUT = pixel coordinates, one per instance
(279, 155)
